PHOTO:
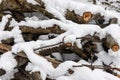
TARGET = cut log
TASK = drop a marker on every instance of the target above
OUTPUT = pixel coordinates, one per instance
(115, 47)
(71, 15)
(87, 16)
(68, 44)
(109, 43)
(35, 76)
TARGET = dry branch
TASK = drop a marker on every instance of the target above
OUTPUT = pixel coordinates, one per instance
(106, 68)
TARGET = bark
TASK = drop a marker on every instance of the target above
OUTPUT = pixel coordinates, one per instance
(54, 29)
(71, 15)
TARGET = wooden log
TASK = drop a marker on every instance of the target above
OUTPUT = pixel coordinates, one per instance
(27, 29)
(70, 15)
(30, 33)
(109, 43)
(79, 52)
(87, 16)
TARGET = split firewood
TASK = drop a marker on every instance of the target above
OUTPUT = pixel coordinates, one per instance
(109, 43)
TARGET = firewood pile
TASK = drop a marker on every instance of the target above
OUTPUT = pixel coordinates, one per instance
(16, 10)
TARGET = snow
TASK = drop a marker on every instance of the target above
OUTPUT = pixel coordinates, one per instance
(9, 75)
(15, 33)
(8, 63)
(4, 21)
(39, 62)
(59, 7)
(113, 30)
(32, 2)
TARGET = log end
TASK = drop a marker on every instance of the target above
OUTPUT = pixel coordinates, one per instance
(87, 16)
(68, 44)
(115, 47)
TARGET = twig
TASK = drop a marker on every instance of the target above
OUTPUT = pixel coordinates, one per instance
(48, 46)
(98, 67)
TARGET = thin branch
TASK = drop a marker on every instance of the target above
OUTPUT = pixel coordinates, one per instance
(48, 46)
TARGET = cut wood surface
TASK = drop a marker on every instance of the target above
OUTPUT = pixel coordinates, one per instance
(110, 43)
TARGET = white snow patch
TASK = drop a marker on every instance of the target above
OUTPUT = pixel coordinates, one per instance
(7, 61)
(4, 22)
(33, 2)
(15, 33)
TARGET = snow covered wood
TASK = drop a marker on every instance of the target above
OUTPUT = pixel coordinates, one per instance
(109, 42)
(58, 39)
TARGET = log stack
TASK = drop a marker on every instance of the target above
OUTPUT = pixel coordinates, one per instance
(89, 49)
